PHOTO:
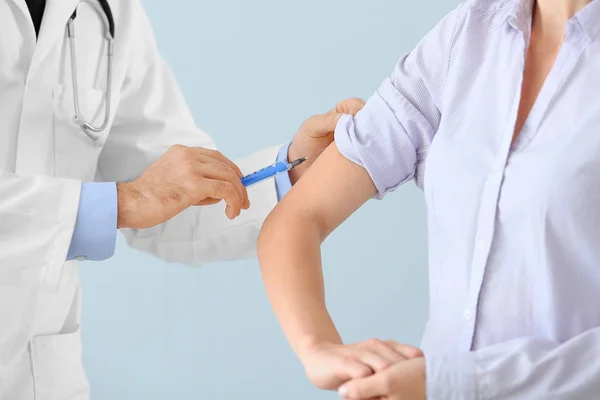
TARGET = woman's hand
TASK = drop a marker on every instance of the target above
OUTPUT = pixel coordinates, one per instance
(402, 381)
(330, 365)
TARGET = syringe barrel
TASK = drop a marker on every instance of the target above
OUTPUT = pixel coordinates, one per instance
(265, 173)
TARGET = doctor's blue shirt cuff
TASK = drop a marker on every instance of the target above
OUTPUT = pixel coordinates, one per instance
(95, 234)
(283, 184)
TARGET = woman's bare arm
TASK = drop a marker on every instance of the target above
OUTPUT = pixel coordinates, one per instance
(289, 248)
(290, 257)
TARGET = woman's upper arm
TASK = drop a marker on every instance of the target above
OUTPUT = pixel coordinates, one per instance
(391, 135)
(330, 191)
(386, 143)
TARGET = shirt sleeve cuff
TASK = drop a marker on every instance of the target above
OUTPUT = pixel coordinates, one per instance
(283, 184)
(378, 139)
(451, 377)
(95, 233)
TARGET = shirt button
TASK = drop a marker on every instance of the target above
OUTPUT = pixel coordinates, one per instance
(81, 258)
(468, 315)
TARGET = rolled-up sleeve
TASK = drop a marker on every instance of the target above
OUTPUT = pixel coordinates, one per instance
(390, 136)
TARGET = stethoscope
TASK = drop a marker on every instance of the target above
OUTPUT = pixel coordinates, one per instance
(89, 129)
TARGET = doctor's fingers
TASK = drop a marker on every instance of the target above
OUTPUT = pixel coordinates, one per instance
(349, 106)
(229, 180)
(214, 167)
(209, 201)
(321, 125)
(206, 179)
(216, 155)
(214, 189)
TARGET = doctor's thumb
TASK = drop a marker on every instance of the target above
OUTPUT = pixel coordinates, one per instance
(322, 125)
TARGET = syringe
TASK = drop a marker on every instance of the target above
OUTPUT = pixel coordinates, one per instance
(274, 169)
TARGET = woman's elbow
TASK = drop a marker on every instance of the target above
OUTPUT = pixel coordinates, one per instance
(268, 238)
(285, 228)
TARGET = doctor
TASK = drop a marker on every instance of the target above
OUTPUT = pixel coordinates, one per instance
(132, 121)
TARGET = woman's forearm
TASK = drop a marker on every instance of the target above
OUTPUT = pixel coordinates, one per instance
(290, 258)
(289, 246)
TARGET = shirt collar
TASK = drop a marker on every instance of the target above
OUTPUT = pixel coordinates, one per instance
(589, 17)
(520, 15)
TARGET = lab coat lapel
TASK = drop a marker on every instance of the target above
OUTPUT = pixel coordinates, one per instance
(34, 155)
(53, 28)
(22, 6)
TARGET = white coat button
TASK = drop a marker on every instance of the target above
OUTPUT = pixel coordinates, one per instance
(81, 258)
(468, 315)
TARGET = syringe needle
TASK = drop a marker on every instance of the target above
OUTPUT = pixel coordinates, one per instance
(315, 153)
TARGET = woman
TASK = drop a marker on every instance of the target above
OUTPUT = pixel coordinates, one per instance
(501, 100)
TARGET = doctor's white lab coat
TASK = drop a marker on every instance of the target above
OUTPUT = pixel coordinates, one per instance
(44, 157)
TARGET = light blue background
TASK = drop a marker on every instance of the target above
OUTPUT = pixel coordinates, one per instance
(252, 71)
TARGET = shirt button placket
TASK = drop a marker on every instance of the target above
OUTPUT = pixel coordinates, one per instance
(482, 245)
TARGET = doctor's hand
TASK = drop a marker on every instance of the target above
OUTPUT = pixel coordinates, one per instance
(182, 177)
(402, 381)
(328, 366)
(317, 133)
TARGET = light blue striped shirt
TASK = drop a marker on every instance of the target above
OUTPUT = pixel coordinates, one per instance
(514, 229)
